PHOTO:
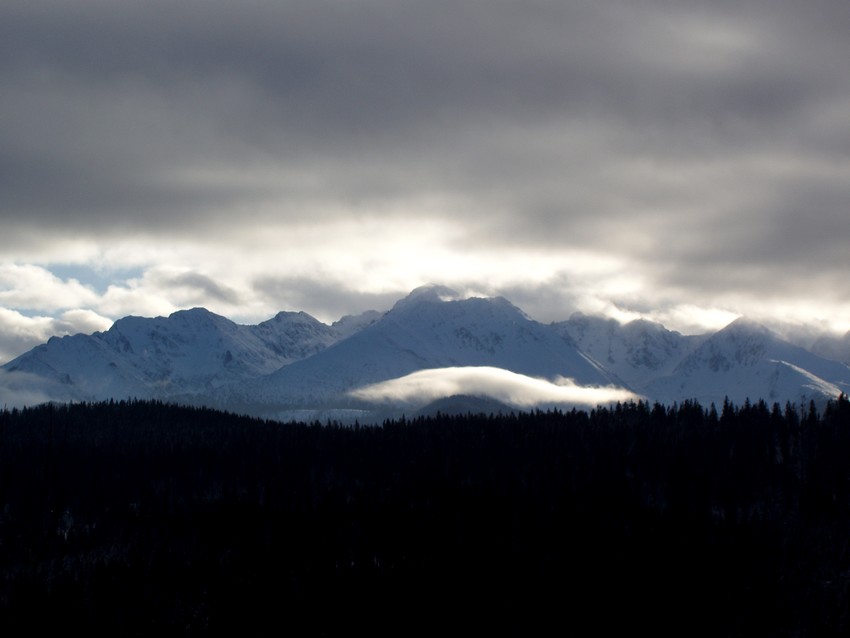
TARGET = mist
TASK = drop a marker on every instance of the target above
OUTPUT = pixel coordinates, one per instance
(21, 389)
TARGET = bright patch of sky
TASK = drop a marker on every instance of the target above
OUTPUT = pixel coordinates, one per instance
(99, 279)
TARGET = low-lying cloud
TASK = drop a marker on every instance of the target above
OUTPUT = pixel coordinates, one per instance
(518, 390)
(21, 389)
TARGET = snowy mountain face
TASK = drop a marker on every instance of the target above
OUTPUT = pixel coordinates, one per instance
(292, 336)
(637, 352)
(78, 368)
(189, 352)
(747, 361)
(429, 329)
(431, 345)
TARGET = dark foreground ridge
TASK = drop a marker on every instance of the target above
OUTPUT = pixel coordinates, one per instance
(143, 518)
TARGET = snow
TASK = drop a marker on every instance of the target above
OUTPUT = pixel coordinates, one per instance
(637, 352)
(422, 332)
(747, 361)
(294, 364)
(189, 352)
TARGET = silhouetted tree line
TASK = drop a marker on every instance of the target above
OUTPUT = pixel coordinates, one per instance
(138, 518)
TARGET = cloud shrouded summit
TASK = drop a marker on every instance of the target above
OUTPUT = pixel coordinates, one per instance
(686, 162)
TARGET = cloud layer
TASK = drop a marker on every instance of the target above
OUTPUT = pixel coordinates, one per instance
(686, 159)
(517, 390)
(19, 390)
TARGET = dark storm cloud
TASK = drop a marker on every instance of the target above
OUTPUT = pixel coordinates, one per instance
(205, 286)
(646, 128)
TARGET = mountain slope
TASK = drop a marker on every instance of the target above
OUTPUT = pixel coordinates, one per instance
(747, 361)
(428, 329)
(296, 366)
(189, 352)
(637, 352)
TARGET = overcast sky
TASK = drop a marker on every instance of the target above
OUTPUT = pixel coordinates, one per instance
(686, 161)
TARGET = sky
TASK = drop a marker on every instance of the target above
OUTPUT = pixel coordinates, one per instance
(686, 162)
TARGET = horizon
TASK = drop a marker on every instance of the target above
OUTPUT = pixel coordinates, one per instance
(792, 332)
(434, 343)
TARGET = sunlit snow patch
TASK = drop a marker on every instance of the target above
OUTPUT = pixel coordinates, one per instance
(815, 383)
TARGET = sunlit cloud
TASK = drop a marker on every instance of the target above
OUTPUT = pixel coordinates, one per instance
(80, 321)
(36, 288)
(19, 332)
(419, 388)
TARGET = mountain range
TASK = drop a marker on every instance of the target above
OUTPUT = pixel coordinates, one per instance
(431, 350)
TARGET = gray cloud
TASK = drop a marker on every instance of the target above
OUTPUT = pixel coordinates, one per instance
(18, 390)
(704, 145)
(204, 286)
(21, 389)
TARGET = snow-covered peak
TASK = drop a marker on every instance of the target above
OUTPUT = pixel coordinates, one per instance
(199, 320)
(433, 305)
(193, 321)
(429, 293)
(351, 324)
(748, 327)
(294, 335)
(746, 360)
(189, 352)
(645, 327)
(742, 342)
(424, 332)
(197, 326)
(295, 360)
(636, 352)
(290, 318)
(193, 314)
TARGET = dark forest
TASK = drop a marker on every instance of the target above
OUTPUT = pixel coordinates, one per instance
(137, 518)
